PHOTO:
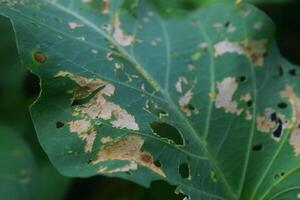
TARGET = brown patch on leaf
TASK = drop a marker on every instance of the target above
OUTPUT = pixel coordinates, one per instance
(224, 99)
(85, 132)
(264, 124)
(122, 38)
(105, 7)
(246, 97)
(106, 139)
(294, 139)
(98, 107)
(253, 49)
(128, 148)
(184, 102)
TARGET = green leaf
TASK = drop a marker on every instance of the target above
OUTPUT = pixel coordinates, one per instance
(204, 101)
(18, 178)
(52, 184)
(11, 76)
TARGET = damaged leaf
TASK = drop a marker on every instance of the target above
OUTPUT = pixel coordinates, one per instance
(108, 76)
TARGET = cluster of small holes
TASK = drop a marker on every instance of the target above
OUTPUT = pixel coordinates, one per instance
(278, 176)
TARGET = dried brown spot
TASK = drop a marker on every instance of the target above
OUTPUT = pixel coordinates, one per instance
(264, 124)
(128, 148)
(85, 131)
(253, 49)
(40, 57)
(294, 139)
(106, 139)
(105, 6)
(146, 158)
(184, 103)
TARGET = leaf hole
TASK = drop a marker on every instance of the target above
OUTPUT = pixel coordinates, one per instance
(258, 147)
(184, 170)
(278, 131)
(31, 86)
(279, 175)
(293, 72)
(249, 103)
(167, 131)
(59, 124)
(89, 161)
(157, 163)
(227, 24)
(190, 107)
(243, 79)
(282, 105)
